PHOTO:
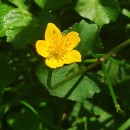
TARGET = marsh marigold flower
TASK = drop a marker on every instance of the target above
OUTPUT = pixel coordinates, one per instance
(57, 48)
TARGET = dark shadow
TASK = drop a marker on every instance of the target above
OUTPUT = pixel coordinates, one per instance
(74, 87)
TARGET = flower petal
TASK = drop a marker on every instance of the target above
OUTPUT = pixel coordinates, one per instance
(52, 33)
(71, 40)
(54, 63)
(72, 57)
(42, 48)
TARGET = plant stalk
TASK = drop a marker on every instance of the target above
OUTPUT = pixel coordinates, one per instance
(117, 106)
(83, 70)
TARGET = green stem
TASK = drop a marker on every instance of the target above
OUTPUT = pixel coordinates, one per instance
(83, 70)
(85, 123)
(109, 83)
(90, 60)
(117, 106)
(117, 49)
(80, 72)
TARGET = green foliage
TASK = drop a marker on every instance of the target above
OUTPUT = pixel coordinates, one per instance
(51, 5)
(21, 4)
(91, 95)
(89, 37)
(126, 12)
(12, 21)
(118, 70)
(77, 89)
(99, 11)
(40, 3)
(27, 35)
(3, 12)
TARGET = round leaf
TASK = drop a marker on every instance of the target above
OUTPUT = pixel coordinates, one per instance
(77, 89)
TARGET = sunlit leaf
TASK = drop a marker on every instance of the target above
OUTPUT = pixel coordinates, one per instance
(12, 33)
(32, 32)
(12, 20)
(4, 9)
(99, 11)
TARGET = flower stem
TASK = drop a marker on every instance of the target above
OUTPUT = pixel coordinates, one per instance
(117, 49)
(83, 70)
(90, 60)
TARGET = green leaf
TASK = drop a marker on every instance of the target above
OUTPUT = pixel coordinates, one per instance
(22, 4)
(16, 18)
(12, 21)
(12, 33)
(40, 3)
(26, 35)
(125, 125)
(7, 73)
(126, 13)
(32, 32)
(99, 112)
(51, 4)
(77, 89)
(29, 106)
(4, 9)
(119, 71)
(89, 37)
(99, 11)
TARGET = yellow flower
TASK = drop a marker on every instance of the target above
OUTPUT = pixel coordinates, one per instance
(57, 48)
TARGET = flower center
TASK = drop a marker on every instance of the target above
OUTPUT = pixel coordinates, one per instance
(57, 50)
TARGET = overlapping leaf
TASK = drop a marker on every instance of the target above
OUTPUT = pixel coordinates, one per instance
(88, 33)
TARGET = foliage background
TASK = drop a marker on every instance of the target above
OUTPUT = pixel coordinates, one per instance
(84, 102)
